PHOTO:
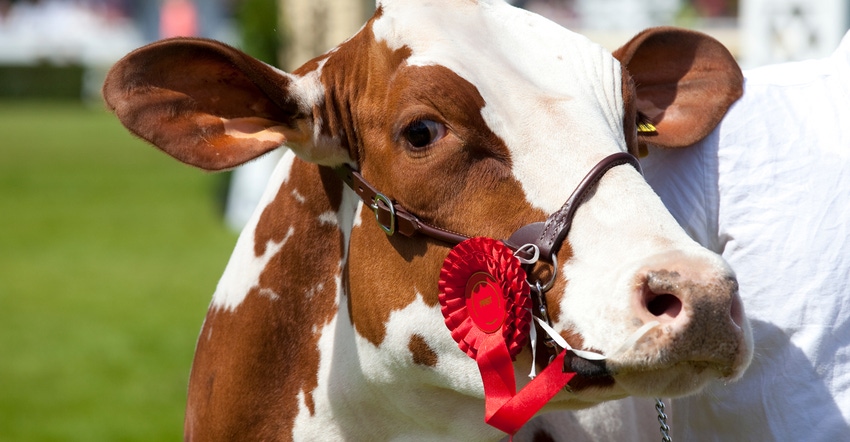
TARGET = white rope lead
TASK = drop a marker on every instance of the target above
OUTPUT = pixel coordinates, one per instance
(593, 356)
(532, 334)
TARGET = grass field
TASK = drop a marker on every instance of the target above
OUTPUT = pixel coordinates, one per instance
(109, 253)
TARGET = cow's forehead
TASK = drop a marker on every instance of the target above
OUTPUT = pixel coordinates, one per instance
(549, 93)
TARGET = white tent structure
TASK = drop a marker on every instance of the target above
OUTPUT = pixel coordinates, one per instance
(775, 31)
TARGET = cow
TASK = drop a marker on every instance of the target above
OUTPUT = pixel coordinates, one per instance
(438, 122)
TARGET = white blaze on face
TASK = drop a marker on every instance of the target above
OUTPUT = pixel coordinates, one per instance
(556, 100)
(551, 95)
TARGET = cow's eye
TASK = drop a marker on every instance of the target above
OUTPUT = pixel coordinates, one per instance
(421, 133)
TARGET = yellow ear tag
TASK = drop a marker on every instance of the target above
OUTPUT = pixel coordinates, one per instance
(645, 127)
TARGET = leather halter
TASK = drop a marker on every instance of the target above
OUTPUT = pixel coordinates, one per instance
(547, 236)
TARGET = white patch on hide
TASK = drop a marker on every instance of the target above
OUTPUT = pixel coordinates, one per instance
(269, 293)
(243, 273)
(244, 268)
(348, 216)
(358, 381)
(329, 218)
(312, 291)
(298, 197)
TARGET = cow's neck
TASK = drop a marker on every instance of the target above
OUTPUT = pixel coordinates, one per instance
(279, 343)
(258, 355)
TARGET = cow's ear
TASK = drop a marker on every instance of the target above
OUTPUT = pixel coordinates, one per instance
(208, 104)
(684, 81)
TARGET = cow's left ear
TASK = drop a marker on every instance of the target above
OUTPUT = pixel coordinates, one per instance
(684, 81)
(212, 106)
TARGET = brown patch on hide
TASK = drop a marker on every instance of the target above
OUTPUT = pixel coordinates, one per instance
(355, 80)
(295, 195)
(252, 363)
(422, 353)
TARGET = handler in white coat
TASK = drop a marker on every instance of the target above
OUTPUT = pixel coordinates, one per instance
(769, 189)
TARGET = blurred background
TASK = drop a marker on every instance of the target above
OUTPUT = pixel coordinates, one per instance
(110, 250)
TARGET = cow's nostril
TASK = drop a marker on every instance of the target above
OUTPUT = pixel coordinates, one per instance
(664, 306)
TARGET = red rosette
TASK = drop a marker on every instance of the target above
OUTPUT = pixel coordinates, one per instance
(485, 299)
(484, 292)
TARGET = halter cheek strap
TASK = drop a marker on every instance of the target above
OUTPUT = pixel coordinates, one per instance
(547, 236)
(391, 216)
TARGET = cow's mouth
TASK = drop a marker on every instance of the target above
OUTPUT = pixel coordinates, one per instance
(585, 367)
(589, 373)
(592, 374)
(591, 367)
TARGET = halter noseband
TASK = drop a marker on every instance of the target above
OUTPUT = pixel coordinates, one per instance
(546, 236)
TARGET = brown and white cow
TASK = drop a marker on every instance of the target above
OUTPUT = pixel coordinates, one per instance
(478, 118)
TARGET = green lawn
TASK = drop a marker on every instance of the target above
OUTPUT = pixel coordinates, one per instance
(109, 254)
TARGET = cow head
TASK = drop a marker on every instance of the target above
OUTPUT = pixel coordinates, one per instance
(479, 118)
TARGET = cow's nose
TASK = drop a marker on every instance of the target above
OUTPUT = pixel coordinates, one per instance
(676, 291)
(695, 300)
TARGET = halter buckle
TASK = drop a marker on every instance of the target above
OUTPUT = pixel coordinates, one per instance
(381, 198)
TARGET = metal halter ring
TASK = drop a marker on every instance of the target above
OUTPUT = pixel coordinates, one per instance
(380, 197)
(551, 282)
(534, 251)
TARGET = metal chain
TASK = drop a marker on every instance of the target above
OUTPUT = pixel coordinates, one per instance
(662, 420)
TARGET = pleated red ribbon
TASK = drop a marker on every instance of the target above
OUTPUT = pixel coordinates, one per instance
(485, 299)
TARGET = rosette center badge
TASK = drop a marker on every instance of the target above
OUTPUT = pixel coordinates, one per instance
(485, 302)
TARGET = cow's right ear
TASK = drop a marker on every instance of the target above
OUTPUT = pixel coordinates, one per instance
(210, 105)
(684, 81)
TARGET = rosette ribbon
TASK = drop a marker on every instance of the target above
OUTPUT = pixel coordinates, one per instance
(485, 300)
